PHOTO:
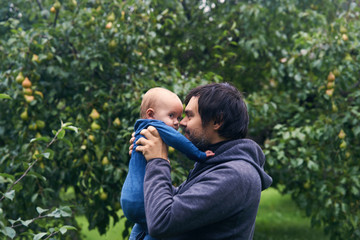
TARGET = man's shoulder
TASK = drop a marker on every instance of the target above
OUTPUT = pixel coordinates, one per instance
(236, 167)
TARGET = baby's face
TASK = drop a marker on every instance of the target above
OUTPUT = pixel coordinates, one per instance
(170, 112)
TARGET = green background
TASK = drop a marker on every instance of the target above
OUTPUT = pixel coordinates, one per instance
(297, 63)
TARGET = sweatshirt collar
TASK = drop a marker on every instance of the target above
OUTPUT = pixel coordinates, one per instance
(214, 147)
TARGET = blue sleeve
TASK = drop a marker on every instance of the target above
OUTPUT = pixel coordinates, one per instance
(176, 140)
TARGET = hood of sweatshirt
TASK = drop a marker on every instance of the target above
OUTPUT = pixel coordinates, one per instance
(242, 150)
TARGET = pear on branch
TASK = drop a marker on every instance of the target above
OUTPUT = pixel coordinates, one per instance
(342, 134)
(29, 99)
(94, 126)
(108, 25)
(19, 78)
(117, 122)
(24, 115)
(26, 83)
(111, 17)
(331, 77)
(94, 114)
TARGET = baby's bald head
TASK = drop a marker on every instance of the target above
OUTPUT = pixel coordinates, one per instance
(156, 97)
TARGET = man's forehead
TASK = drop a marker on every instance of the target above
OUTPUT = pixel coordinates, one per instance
(192, 105)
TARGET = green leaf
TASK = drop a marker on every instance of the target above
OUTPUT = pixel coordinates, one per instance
(356, 130)
(65, 211)
(46, 154)
(10, 195)
(14, 221)
(26, 223)
(34, 197)
(59, 59)
(61, 134)
(5, 96)
(64, 229)
(8, 231)
(67, 142)
(7, 176)
(66, 124)
(39, 236)
(341, 190)
(37, 175)
(55, 213)
(354, 190)
(93, 65)
(41, 210)
(72, 128)
(3, 180)
(313, 166)
(51, 152)
(17, 187)
(62, 212)
(45, 139)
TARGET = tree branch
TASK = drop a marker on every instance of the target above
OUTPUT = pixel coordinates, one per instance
(54, 233)
(32, 220)
(22, 176)
(187, 12)
(29, 168)
(56, 17)
(39, 4)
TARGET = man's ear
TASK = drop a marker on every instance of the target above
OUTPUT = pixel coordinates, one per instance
(217, 125)
(150, 113)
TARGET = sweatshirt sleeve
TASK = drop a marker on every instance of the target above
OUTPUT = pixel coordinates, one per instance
(215, 197)
(176, 140)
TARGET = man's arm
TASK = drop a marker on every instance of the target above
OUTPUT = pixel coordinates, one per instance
(218, 195)
(169, 214)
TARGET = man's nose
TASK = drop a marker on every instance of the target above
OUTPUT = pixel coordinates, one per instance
(183, 122)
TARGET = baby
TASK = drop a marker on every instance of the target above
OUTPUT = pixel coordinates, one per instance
(162, 109)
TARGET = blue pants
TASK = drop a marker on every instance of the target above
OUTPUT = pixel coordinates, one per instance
(138, 232)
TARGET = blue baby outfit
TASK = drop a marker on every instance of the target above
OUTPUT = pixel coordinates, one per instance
(132, 194)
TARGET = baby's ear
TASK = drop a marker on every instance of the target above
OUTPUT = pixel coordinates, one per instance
(150, 113)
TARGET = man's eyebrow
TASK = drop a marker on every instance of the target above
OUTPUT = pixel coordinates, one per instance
(188, 112)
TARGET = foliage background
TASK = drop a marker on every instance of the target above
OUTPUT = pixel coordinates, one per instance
(279, 53)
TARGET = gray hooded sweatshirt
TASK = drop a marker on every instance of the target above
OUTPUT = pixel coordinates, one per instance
(219, 200)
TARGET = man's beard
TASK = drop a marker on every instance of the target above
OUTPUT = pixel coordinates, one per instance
(199, 141)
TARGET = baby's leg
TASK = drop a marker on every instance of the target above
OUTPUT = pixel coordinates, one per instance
(132, 193)
(136, 232)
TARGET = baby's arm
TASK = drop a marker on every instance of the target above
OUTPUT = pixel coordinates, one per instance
(173, 138)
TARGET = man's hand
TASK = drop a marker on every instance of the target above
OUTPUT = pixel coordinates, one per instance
(153, 146)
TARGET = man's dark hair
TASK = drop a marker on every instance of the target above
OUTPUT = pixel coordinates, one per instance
(222, 103)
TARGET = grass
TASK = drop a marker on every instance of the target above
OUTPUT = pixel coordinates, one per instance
(278, 219)
(113, 233)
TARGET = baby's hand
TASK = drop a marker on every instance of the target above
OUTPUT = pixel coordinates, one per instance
(209, 153)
